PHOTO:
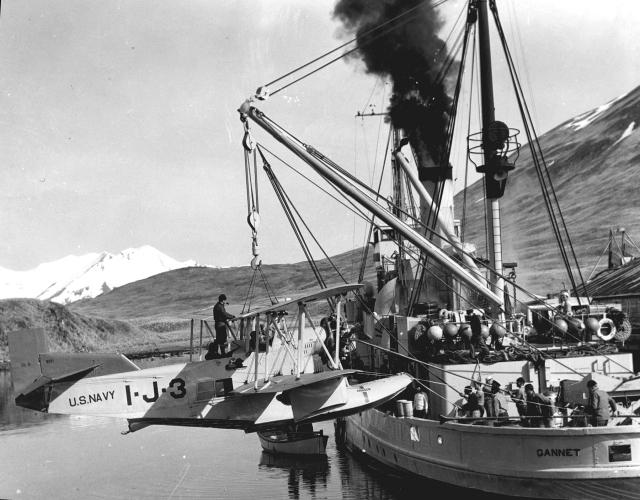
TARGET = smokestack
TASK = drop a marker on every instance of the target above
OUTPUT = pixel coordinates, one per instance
(409, 52)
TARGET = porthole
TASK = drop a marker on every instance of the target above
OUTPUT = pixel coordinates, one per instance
(440, 440)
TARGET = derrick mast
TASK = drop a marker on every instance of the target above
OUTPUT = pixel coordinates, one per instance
(493, 145)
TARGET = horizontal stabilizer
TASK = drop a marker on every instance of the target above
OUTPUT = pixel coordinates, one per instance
(60, 364)
(33, 396)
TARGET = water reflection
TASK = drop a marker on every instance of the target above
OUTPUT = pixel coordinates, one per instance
(13, 417)
(306, 474)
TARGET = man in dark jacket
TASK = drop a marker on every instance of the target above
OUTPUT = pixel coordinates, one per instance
(220, 318)
(599, 404)
(539, 408)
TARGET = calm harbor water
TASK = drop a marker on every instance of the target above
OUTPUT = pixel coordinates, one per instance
(50, 456)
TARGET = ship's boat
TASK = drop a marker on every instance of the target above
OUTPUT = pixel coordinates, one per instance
(301, 440)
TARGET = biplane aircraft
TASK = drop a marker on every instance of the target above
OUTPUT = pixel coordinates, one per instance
(258, 386)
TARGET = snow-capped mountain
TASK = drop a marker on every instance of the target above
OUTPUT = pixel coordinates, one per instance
(78, 277)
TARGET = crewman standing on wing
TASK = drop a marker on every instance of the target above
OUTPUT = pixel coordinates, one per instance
(220, 318)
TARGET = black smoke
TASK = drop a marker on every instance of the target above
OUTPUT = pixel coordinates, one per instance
(408, 51)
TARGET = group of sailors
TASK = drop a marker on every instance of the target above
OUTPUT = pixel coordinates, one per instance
(487, 403)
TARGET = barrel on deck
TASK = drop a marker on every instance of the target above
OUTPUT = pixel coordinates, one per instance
(400, 407)
(407, 407)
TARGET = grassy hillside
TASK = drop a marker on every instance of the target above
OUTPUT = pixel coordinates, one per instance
(68, 331)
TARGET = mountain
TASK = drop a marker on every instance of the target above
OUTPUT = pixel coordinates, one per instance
(79, 277)
(593, 163)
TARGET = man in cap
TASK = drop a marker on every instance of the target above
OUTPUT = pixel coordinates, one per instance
(599, 404)
(220, 318)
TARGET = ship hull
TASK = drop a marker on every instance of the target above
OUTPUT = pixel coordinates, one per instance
(571, 463)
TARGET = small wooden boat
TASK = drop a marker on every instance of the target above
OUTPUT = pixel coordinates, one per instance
(301, 441)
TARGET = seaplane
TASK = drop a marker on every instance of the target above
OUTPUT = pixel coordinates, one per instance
(281, 382)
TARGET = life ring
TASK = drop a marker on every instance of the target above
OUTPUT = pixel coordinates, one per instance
(612, 332)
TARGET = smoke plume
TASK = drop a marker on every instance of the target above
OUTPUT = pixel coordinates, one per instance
(411, 54)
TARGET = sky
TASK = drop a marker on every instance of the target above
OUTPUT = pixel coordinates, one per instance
(119, 119)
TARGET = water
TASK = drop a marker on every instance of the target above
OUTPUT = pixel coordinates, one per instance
(51, 456)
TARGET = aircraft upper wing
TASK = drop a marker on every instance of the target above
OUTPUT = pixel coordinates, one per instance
(283, 383)
(310, 297)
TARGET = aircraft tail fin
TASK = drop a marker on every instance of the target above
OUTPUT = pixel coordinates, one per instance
(25, 346)
(31, 360)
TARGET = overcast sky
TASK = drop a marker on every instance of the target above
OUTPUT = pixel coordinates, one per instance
(119, 125)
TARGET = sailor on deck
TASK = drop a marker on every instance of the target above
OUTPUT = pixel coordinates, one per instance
(220, 318)
(599, 404)
(539, 408)
(420, 403)
(519, 397)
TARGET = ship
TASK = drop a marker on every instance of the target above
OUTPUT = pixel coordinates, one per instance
(458, 322)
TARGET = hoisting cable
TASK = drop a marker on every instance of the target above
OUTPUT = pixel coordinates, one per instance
(326, 255)
(291, 212)
(273, 298)
(253, 207)
(294, 226)
(247, 300)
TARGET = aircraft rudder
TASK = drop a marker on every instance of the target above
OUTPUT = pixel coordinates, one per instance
(25, 346)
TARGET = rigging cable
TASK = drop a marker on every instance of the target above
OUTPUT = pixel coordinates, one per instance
(432, 215)
(549, 194)
(365, 252)
(339, 169)
(463, 223)
(291, 211)
(387, 29)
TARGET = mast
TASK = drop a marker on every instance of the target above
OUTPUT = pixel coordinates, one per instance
(403, 268)
(488, 142)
